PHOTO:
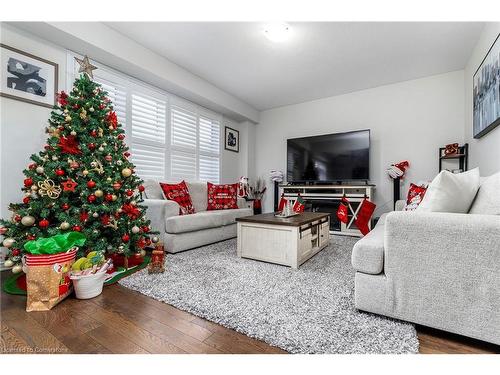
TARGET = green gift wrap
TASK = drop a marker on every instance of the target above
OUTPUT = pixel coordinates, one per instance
(59, 243)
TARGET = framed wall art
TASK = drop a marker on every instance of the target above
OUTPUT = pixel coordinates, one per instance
(27, 77)
(231, 139)
(486, 93)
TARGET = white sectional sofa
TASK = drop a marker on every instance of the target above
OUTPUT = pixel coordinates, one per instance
(183, 232)
(437, 269)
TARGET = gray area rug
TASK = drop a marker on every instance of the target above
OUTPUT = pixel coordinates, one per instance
(309, 310)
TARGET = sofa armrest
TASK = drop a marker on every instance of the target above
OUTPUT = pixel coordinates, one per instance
(400, 204)
(159, 210)
(242, 203)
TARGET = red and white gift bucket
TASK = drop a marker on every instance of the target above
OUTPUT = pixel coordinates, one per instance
(47, 279)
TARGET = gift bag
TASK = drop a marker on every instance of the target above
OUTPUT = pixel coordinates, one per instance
(47, 279)
(47, 265)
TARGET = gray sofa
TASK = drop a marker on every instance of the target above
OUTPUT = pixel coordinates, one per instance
(440, 270)
(183, 232)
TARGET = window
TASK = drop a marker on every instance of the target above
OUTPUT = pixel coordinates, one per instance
(169, 138)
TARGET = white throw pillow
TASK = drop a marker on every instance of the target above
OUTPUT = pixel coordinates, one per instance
(153, 190)
(487, 200)
(450, 192)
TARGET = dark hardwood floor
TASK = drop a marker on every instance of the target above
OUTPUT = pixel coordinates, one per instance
(123, 321)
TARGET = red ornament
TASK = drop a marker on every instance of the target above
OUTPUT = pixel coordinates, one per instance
(15, 252)
(47, 147)
(65, 206)
(30, 237)
(84, 216)
(109, 197)
(32, 166)
(105, 220)
(74, 165)
(108, 158)
(62, 98)
(102, 106)
(76, 106)
(117, 186)
(26, 200)
(141, 243)
(44, 223)
(17, 218)
(77, 228)
(131, 211)
(126, 154)
(61, 128)
(91, 184)
(28, 182)
(91, 146)
(60, 172)
(125, 238)
(121, 137)
(145, 229)
(93, 133)
(111, 119)
(69, 145)
(3, 230)
(141, 188)
(129, 193)
(69, 185)
(91, 198)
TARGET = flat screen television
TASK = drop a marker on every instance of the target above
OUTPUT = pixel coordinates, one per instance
(329, 158)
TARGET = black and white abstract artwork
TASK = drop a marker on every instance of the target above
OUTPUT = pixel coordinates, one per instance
(486, 93)
(27, 78)
(232, 139)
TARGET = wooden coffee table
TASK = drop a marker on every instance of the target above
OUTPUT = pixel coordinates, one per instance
(289, 242)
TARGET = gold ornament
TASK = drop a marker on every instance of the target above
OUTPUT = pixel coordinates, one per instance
(83, 114)
(126, 172)
(40, 170)
(100, 132)
(55, 132)
(8, 242)
(49, 188)
(28, 221)
(99, 193)
(143, 253)
(8, 263)
(85, 172)
(97, 166)
(85, 66)
(64, 225)
(114, 197)
(17, 268)
(67, 118)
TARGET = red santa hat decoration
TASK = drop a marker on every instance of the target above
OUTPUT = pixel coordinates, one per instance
(398, 170)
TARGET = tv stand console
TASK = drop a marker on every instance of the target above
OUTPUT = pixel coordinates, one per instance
(327, 198)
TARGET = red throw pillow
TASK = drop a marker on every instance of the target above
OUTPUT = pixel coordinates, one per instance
(179, 193)
(415, 195)
(222, 197)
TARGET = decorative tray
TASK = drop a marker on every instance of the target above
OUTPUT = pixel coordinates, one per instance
(286, 216)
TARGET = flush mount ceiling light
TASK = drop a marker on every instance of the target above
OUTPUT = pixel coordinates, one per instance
(277, 32)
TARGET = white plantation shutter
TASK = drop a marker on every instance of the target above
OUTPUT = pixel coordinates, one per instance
(149, 129)
(168, 141)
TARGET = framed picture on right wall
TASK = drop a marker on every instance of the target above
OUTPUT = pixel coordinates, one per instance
(486, 93)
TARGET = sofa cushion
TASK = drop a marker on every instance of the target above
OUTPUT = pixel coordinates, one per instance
(487, 200)
(198, 191)
(450, 192)
(179, 193)
(368, 252)
(152, 190)
(222, 197)
(204, 220)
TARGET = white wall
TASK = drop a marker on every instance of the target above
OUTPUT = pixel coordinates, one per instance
(22, 125)
(485, 151)
(408, 120)
(237, 164)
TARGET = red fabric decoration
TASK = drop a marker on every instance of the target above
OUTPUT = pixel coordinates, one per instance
(222, 197)
(343, 211)
(282, 204)
(299, 204)
(62, 98)
(84, 216)
(415, 195)
(69, 185)
(364, 215)
(131, 211)
(69, 145)
(111, 119)
(179, 193)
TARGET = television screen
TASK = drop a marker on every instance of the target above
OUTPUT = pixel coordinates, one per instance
(329, 158)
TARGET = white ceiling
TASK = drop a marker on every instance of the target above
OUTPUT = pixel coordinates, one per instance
(319, 59)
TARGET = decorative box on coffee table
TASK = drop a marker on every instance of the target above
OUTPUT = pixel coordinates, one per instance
(287, 241)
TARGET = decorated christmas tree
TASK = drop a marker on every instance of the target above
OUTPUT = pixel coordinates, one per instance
(82, 180)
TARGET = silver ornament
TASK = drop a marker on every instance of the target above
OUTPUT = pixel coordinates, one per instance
(135, 229)
(95, 214)
(8, 242)
(8, 263)
(17, 268)
(155, 239)
(40, 170)
(64, 225)
(54, 158)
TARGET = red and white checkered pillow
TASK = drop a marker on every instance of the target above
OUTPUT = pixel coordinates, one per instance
(180, 194)
(222, 197)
